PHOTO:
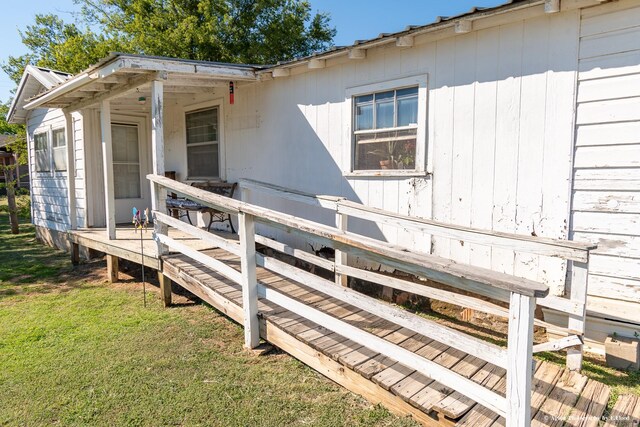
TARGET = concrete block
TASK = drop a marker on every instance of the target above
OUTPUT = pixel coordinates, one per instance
(622, 352)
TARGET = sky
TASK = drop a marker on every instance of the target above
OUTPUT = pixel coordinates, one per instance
(353, 20)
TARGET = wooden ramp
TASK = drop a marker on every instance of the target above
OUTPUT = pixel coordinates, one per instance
(559, 397)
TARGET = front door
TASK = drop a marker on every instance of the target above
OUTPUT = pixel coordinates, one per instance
(129, 171)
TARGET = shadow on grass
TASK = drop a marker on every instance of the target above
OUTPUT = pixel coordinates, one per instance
(28, 266)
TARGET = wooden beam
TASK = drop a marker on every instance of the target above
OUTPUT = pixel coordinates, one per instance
(249, 282)
(212, 263)
(158, 195)
(107, 163)
(471, 345)
(357, 53)
(519, 371)
(559, 344)
(71, 170)
(316, 63)
(281, 72)
(551, 6)
(165, 289)
(112, 268)
(579, 279)
(226, 72)
(227, 244)
(75, 253)
(121, 89)
(463, 26)
(567, 249)
(474, 279)
(405, 41)
(340, 258)
(297, 253)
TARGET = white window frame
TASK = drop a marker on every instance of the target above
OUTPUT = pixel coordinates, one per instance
(193, 108)
(421, 138)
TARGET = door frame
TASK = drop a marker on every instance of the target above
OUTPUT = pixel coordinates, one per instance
(144, 147)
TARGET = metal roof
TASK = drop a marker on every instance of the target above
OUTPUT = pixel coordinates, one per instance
(35, 80)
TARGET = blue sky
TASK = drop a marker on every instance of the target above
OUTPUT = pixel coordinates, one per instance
(354, 20)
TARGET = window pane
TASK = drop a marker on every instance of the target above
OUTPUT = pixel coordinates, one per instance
(411, 91)
(41, 145)
(40, 141)
(202, 126)
(407, 111)
(58, 138)
(364, 117)
(125, 143)
(384, 112)
(386, 150)
(60, 158)
(202, 161)
(126, 179)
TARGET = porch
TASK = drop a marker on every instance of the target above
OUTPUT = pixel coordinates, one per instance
(408, 363)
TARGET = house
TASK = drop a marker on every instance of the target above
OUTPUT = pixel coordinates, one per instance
(21, 171)
(523, 118)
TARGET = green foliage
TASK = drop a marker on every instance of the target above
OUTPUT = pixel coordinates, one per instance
(246, 31)
(238, 31)
(52, 43)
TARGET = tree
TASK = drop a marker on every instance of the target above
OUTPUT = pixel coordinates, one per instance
(237, 31)
(57, 45)
(18, 146)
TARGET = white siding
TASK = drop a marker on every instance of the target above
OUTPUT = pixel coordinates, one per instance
(606, 196)
(500, 129)
(49, 194)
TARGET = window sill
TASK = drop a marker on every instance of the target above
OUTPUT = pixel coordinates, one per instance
(386, 173)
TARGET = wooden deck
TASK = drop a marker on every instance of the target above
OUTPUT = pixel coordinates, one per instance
(559, 395)
(127, 244)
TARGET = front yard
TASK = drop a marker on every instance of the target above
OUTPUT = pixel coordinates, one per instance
(75, 350)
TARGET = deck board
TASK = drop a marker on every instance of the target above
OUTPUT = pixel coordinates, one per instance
(377, 377)
(625, 412)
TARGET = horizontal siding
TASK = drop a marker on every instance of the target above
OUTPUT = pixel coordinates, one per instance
(607, 201)
(606, 191)
(49, 190)
(608, 134)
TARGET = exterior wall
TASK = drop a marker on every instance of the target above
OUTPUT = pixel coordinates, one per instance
(49, 190)
(499, 136)
(606, 196)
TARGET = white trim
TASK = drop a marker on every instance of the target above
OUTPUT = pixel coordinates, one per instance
(421, 138)
(222, 152)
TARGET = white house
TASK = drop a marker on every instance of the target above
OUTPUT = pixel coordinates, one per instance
(521, 118)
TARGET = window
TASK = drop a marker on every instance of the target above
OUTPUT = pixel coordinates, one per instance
(386, 129)
(41, 145)
(203, 144)
(126, 161)
(59, 150)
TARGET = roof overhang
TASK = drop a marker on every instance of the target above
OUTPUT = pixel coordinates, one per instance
(34, 81)
(121, 73)
(442, 27)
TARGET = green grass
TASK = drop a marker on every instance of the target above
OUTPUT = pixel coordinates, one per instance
(75, 350)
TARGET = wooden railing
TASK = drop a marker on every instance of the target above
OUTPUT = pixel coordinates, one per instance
(573, 303)
(519, 292)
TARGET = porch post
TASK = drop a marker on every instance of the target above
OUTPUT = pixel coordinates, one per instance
(71, 170)
(107, 159)
(158, 195)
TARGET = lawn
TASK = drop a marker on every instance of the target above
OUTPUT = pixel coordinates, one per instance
(76, 350)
